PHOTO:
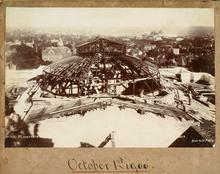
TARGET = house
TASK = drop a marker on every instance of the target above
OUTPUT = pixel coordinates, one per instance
(136, 52)
(161, 59)
(180, 60)
(176, 51)
(148, 47)
(53, 54)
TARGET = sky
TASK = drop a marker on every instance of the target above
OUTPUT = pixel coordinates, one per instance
(108, 20)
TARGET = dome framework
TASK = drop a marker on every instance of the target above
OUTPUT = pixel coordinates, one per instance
(101, 66)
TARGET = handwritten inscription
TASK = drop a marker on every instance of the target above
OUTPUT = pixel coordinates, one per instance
(117, 165)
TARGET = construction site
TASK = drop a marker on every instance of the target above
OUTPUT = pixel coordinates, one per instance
(102, 82)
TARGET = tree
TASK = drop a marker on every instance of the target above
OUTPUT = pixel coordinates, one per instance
(25, 57)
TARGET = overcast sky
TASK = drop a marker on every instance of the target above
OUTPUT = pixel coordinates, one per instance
(107, 20)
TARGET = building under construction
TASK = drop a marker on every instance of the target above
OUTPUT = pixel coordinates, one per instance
(100, 67)
(101, 75)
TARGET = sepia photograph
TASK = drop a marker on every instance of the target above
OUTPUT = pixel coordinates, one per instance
(109, 77)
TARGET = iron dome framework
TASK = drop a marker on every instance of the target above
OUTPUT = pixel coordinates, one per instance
(101, 66)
